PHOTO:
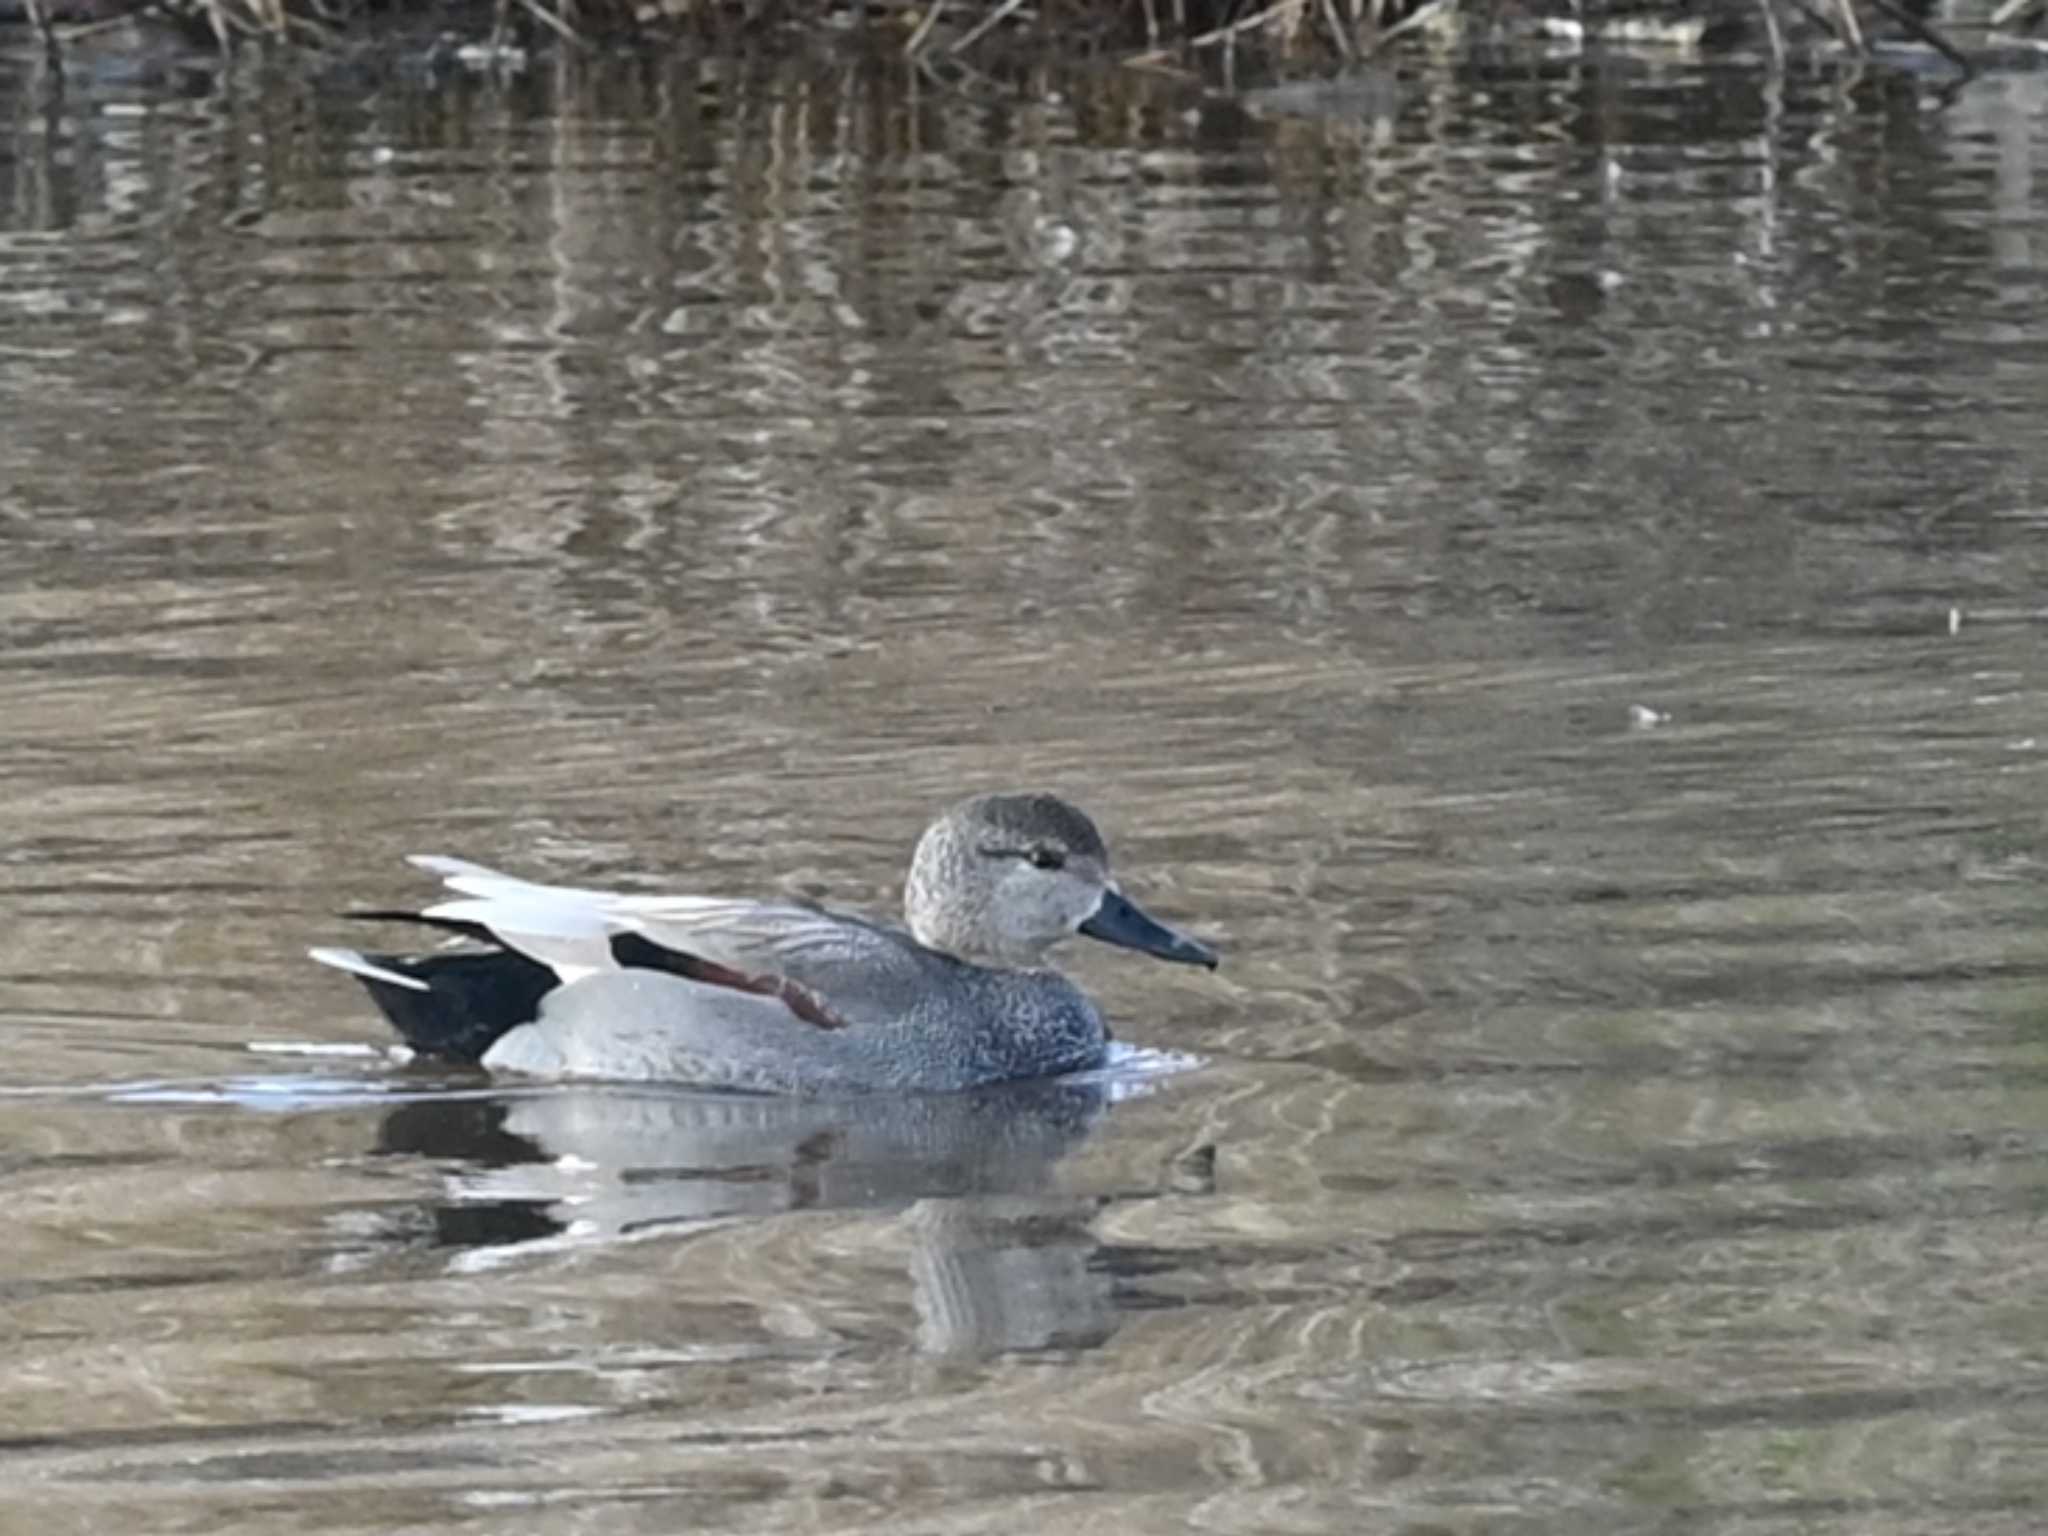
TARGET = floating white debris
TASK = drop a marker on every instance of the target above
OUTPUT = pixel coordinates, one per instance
(1056, 241)
(1955, 621)
(1642, 717)
(1683, 33)
(534, 1413)
(506, 57)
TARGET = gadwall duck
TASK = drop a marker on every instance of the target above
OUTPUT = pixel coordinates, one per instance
(777, 996)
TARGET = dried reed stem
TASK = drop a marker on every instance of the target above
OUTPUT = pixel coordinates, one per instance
(53, 54)
(1421, 16)
(925, 24)
(554, 22)
(986, 25)
(1338, 31)
(1772, 31)
(1229, 34)
(1852, 29)
(1927, 34)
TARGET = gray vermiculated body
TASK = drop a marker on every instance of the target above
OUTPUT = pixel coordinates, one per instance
(988, 1026)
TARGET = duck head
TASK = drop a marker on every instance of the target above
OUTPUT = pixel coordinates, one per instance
(1000, 879)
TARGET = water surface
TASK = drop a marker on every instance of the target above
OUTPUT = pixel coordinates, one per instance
(1541, 562)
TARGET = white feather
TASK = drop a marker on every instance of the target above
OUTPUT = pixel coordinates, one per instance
(544, 923)
(522, 915)
(475, 880)
(360, 965)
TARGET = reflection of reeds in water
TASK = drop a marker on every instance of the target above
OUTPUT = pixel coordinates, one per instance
(225, 19)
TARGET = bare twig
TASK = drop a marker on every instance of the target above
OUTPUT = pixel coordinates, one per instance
(1421, 16)
(216, 18)
(1822, 19)
(1927, 34)
(2012, 9)
(970, 76)
(317, 33)
(1852, 29)
(1338, 30)
(987, 24)
(1162, 62)
(554, 23)
(925, 24)
(79, 29)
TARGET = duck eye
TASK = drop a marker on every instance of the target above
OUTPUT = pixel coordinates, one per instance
(1037, 858)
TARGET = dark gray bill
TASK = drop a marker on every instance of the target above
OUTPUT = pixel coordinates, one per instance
(1119, 921)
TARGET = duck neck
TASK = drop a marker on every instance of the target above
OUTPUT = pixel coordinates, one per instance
(972, 942)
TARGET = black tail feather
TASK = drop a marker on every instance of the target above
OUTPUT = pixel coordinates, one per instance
(400, 915)
(472, 998)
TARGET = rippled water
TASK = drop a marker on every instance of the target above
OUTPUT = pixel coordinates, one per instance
(1541, 559)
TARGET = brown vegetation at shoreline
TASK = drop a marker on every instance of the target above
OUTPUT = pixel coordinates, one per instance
(1139, 31)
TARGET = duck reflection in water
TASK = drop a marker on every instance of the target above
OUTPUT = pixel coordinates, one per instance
(998, 1259)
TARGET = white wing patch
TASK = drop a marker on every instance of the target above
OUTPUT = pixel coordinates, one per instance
(361, 965)
(563, 929)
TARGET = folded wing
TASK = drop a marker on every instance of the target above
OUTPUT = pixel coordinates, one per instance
(828, 969)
